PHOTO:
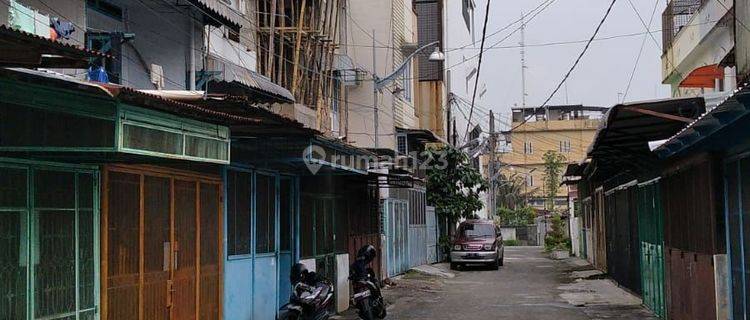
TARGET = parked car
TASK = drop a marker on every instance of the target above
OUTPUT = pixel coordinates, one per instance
(477, 242)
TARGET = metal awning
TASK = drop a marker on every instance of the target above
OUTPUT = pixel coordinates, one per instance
(127, 95)
(23, 49)
(217, 13)
(238, 81)
(626, 129)
(396, 179)
(422, 135)
(732, 109)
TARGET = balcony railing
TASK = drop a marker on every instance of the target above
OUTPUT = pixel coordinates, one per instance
(676, 16)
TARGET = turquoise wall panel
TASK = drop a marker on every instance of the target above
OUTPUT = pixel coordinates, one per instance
(238, 289)
(264, 287)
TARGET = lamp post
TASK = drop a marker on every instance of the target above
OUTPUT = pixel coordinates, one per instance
(379, 83)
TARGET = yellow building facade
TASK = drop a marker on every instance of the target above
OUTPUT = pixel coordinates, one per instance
(567, 130)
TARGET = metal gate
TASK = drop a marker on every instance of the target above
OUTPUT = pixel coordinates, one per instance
(651, 234)
(417, 228)
(432, 232)
(396, 224)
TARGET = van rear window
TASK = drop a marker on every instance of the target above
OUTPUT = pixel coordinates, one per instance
(476, 231)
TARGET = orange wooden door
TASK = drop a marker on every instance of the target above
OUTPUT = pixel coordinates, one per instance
(162, 246)
(184, 253)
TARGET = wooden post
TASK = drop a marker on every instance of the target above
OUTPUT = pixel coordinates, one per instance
(297, 45)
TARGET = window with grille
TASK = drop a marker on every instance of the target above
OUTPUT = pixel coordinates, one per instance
(565, 146)
(528, 148)
(265, 214)
(60, 246)
(529, 180)
(402, 144)
(149, 132)
(239, 193)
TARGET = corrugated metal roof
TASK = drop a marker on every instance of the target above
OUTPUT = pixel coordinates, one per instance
(626, 129)
(219, 12)
(237, 80)
(60, 55)
(731, 109)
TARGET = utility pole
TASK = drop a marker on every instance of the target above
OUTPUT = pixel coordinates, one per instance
(374, 89)
(491, 168)
(523, 62)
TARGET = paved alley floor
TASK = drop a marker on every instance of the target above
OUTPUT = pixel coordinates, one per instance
(529, 286)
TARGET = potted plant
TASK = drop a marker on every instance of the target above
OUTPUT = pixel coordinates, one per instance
(556, 243)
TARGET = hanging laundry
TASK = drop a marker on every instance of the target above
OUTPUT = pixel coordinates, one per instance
(63, 28)
(98, 74)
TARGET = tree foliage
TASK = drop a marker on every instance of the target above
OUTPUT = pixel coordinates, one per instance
(556, 239)
(553, 166)
(453, 184)
(519, 217)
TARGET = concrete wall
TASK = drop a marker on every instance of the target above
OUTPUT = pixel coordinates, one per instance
(370, 15)
(69, 10)
(704, 41)
(162, 36)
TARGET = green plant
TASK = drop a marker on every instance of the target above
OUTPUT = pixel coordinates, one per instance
(553, 166)
(519, 217)
(453, 184)
(556, 239)
(510, 243)
(445, 243)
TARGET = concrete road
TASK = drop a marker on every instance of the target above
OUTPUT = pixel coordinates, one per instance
(529, 286)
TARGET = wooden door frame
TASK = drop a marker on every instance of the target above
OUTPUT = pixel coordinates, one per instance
(173, 174)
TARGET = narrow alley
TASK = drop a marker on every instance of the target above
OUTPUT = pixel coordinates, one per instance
(528, 286)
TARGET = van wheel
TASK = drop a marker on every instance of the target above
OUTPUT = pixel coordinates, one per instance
(495, 265)
(502, 260)
(454, 266)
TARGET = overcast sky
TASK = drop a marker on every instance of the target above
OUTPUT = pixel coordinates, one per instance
(600, 76)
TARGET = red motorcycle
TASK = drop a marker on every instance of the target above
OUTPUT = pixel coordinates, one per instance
(366, 295)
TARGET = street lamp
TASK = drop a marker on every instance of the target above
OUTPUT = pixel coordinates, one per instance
(379, 83)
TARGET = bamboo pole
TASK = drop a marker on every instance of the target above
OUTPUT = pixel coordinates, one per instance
(271, 39)
(297, 45)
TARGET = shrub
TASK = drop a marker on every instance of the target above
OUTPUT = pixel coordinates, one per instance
(510, 243)
(556, 239)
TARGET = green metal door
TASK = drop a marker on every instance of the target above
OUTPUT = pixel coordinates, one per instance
(651, 233)
(49, 238)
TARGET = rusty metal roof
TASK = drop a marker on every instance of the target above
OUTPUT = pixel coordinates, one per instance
(23, 49)
(127, 95)
(626, 129)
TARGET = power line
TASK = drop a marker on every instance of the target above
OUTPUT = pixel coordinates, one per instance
(479, 65)
(580, 56)
(643, 44)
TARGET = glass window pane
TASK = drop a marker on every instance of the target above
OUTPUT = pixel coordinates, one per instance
(238, 212)
(287, 212)
(31, 127)
(265, 218)
(123, 228)
(86, 262)
(341, 227)
(13, 253)
(206, 148)
(13, 187)
(54, 189)
(745, 187)
(54, 264)
(306, 227)
(85, 191)
(147, 139)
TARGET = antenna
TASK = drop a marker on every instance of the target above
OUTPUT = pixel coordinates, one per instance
(523, 61)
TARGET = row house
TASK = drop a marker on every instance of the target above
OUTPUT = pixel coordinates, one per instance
(156, 174)
(167, 159)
